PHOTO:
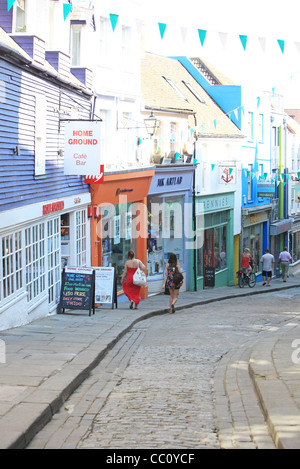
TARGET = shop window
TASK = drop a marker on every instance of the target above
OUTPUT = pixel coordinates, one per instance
(65, 239)
(54, 267)
(252, 239)
(117, 237)
(165, 232)
(81, 243)
(35, 261)
(11, 271)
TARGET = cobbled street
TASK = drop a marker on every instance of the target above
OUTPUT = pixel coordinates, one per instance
(159, 387)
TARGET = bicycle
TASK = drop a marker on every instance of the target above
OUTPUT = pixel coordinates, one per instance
(244, 278)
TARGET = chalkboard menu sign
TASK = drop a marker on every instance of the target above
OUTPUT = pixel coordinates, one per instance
(209, 276)
(77, 289)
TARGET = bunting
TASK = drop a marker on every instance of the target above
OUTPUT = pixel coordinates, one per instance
(113, 20)
(67, 8)
(202, 35)
(162, 29)
(10, 4)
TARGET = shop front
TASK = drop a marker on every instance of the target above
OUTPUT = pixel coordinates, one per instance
(255, 232)
(119, 221)
(169, 214)
(214, 241)
(44, 238)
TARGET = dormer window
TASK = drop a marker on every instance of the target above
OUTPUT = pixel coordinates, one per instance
(20, 16)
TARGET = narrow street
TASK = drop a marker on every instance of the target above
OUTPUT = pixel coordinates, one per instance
(161, 386)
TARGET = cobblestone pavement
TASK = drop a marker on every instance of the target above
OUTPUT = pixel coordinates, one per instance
(176, 381)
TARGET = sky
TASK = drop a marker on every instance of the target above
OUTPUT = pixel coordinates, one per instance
(262, 64)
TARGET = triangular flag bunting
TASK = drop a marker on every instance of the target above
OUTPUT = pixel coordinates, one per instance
(243, 40)
(162, 29)
(213, 166)
(223, 38)
(297, 45)
(215, 123)
(183, 31)
(67, 9)
(177, 155)
(281, 44)
(243, 110)
(258, 101)
(194, 161)
(113, 20)
(262, 41)
(10, 4)
(139, 25)
(202, 34)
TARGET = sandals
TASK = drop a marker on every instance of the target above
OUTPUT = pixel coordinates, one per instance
(173, 309)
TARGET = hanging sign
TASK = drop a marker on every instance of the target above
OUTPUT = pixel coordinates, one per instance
(82, 148)
(77, 289)
(97, 179)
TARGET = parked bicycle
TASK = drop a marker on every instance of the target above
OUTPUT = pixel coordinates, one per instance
(246, 279)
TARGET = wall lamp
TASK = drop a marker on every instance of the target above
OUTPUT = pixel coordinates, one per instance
(151, 124)
(17, 151)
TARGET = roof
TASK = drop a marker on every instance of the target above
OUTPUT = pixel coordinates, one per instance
(294, 113)
(158, 94)
(11, 48)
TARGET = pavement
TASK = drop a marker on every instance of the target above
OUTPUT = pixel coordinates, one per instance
(45, 362)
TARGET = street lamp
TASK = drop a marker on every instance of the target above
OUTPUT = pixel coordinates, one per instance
(151, 124)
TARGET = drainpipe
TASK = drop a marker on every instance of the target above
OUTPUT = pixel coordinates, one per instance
(194, 210)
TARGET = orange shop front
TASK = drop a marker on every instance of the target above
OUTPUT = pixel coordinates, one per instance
(119, 220)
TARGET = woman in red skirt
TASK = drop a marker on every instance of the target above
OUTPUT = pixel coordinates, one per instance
(132, 291)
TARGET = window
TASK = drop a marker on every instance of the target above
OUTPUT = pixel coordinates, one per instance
(11, 270)
(178, 91)
(250, 126)
(125, 43)
(80, 218)
(193, 91)
(20, 16)
(261, 129)
(250, 182)
(75, 44)
(35, 260)
(54, 260)
(40, 135)
(173, 136)
(103, 24)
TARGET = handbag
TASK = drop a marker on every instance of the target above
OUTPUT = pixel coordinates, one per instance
(139, 278)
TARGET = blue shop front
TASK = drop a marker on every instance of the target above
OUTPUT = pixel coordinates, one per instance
(170, 210)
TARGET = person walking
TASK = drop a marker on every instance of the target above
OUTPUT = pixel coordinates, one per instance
(172, 280)
(284, 259)
(131, 290)
(268, 263)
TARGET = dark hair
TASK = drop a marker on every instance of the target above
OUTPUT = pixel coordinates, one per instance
(130, 254)
(173, 259)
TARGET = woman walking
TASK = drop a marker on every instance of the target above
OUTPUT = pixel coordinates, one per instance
(132, 291)
(171, 282)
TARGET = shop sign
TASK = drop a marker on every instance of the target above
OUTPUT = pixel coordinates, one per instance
(54, 207)
(82, 148)
(265, 190)
(97, 179)
(227, 175)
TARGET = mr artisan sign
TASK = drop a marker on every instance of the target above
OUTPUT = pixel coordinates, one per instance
(82, 148)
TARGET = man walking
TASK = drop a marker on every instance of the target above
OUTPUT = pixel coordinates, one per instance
(284, 259)
(268, 262)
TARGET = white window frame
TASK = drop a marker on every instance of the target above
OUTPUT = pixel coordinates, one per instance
(81, 237)
(19, 6)
(40, 135)
(54, 259)
(75, 44)
(11, 265)
(35, 261)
